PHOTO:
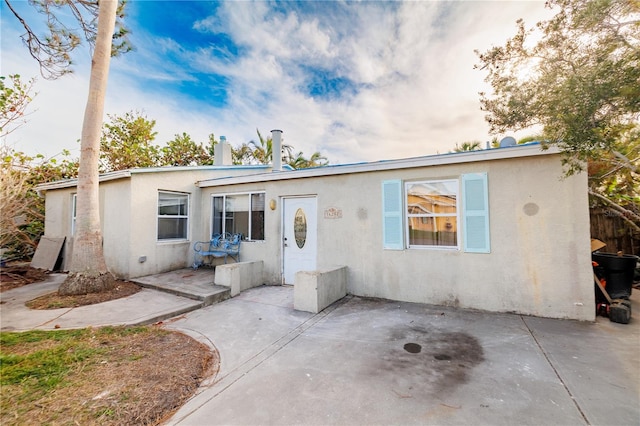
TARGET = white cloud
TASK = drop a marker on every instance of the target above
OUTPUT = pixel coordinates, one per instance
(412, 63)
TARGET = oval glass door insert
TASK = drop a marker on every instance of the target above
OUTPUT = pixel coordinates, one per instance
(300, 228)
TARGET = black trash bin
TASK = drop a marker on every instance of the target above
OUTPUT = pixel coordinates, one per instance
(618, 272)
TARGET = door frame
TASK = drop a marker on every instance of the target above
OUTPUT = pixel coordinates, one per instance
(283, 200)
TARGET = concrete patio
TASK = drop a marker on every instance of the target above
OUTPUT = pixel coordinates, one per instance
(365, 361)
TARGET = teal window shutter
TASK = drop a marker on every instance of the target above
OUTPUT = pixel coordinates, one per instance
(475, 195)
(392, 215)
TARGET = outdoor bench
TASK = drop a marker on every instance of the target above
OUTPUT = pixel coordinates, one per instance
(220, 246)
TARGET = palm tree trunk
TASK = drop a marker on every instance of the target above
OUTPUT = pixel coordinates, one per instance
(88, 270)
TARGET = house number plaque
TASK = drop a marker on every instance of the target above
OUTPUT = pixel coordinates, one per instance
(332, 213)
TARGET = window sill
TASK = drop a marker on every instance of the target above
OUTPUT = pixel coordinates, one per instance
(176, 241)
(433, 248)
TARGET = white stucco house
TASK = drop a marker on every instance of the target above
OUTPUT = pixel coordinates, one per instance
(497, 229)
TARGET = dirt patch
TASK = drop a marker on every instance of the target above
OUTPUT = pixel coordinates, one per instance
(15, 276)
(18, 275)
(140, 377)
(55, 301)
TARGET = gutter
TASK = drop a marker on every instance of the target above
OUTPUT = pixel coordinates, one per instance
(519, 151)
(70, 183)
(124, 174)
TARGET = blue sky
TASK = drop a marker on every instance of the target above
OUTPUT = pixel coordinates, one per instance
(357, 81)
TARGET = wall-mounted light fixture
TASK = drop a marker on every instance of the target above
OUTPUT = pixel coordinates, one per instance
(272, 204)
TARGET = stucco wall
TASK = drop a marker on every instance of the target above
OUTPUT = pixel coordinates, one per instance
(128, 214)
(160, 255)
(116, 222)
(539, 226)
(166, 255)
(539, 262)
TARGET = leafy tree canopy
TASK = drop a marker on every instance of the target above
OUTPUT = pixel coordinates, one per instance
(69, 22)
(183, 151)
(299, 161)
(580, 82)
(468, 146)
(261, 152)
(127, 142)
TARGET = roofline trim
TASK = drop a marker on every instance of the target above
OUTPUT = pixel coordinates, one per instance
(518, 151)
(123, 174)
(70, 183)
(530, 150)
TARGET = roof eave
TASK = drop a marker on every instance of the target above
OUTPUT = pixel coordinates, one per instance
(519, 151)
(70, 183)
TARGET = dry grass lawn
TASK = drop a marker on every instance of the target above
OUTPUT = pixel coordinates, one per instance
(101, 376)
(95, 376)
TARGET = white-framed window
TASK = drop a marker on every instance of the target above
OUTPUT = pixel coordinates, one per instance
(173, 216)
(74, 209)
(432, 213)
(239, 213)
(437, 214)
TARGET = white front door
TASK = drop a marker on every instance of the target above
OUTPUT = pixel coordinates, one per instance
(300, 222)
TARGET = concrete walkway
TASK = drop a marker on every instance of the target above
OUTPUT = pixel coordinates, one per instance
(367, 361)
(145, 307)
(364, 361)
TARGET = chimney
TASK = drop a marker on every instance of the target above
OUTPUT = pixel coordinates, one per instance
(276, 150)
(222, 153)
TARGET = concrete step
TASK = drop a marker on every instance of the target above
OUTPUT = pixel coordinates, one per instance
(195, 285)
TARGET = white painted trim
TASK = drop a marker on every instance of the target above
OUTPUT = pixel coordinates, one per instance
(407, 216)
(518, 151)
(224, 195)
(123, 174)
(71, 183)
(192, 168)
(187, 238)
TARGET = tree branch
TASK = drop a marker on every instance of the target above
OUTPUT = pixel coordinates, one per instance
(625, 161)
(625, 214)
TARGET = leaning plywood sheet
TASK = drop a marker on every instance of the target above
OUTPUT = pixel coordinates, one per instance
(47, 253)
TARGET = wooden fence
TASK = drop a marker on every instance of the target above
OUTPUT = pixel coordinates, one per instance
(608, 227)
